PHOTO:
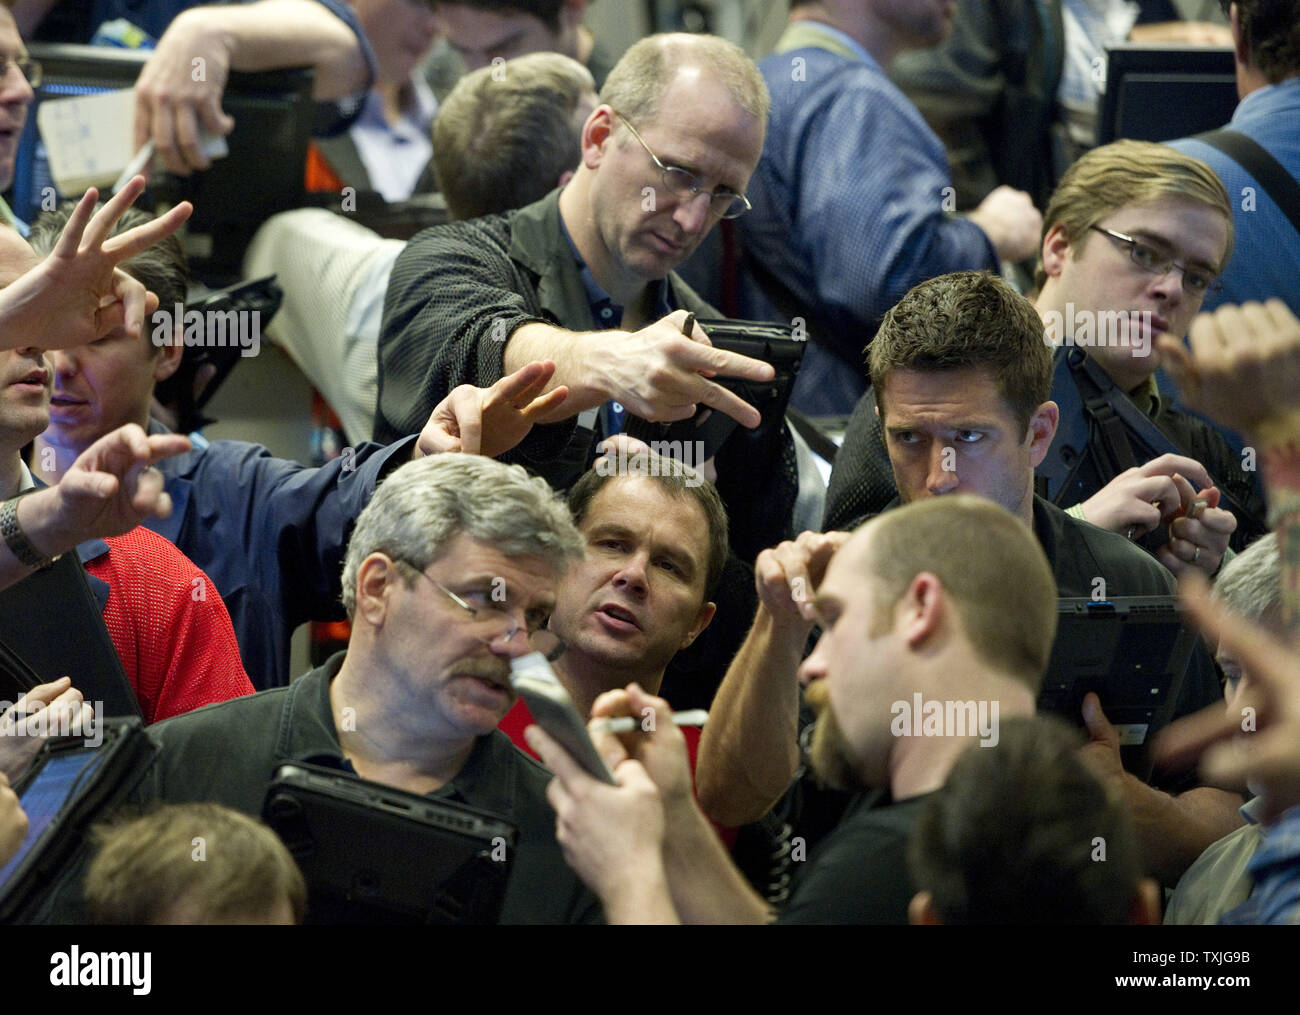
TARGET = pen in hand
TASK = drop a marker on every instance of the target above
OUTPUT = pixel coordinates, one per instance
(627, 723)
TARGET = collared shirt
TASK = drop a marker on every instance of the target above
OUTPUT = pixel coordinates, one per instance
(396, 154)
(228, 754)
(608, 315)
(1276, 870)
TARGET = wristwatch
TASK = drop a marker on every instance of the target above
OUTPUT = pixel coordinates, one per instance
(16, 539)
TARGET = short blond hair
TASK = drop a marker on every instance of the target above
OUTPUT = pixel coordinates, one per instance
(148, 864)
(638, 79)
(1116, 175)
(506, 134)
(989, 563)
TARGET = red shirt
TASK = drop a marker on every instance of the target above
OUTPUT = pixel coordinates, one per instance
(169, 626)
(519, 718)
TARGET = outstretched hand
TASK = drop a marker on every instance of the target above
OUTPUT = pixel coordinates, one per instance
(110, 489)
(491, 421)
(78, 294)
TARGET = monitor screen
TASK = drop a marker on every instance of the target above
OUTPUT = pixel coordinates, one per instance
(262, 175)
(1160, 93)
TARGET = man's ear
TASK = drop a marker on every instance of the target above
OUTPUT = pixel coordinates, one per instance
(702, 620)
(168, 360)
(1056, 246)
(1146, 904)
(921, 911)
(1042, 425)
(596, 133)
(375, 579)
(923, 606)
(1238, 38)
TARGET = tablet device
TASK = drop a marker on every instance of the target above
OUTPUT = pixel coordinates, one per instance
(1133, 653)
(52, 619)
(374, 854)
(772, 343)
(69, 785)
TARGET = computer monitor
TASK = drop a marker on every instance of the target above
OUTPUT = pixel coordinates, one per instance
(263, 173)
(1159, 93)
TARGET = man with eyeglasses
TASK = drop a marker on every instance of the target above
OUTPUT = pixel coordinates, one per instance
(451, 572)
(584, 277)
(1134, 238)
(18, 76)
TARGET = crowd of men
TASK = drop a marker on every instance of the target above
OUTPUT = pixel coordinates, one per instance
(1007, 445)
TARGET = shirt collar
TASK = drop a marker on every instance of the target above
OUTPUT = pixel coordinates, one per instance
(1147, 397)
(604, 311)
(7, 215)
(419, 108)
(1288, 89)
(852, 44)
(308, 734)
(25, 480)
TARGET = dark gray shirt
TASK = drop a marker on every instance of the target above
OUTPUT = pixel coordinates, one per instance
(228, 753)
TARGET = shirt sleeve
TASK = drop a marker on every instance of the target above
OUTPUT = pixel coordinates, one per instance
(336, 116)
(453, 300)
(170, 627)
(872, 190)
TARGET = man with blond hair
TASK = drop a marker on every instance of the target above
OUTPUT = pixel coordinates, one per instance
(509, 134)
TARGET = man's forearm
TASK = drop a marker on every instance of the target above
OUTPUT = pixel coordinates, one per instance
(287, 33)
(572, 353)
(749, 750)
(1173, 831)
(640, 899)
(706, 887)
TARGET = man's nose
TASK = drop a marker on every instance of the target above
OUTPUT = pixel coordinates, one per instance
(693, 213)
(1169, 286)
(943, 469)
(814, 667)
(62, 362)
(632, 575)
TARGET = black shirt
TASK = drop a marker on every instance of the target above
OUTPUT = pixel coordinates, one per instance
(858, 874)
(227, 754)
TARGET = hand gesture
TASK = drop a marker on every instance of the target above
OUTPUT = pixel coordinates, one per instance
(491, 421)
(1243, 367)
(110, 489)
(662, 375)
(77, 294)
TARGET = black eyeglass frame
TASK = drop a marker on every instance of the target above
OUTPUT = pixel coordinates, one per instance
(1162, 263)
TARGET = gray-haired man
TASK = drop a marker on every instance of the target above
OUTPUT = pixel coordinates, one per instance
(450, 573)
